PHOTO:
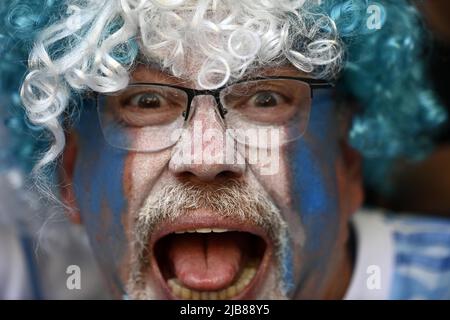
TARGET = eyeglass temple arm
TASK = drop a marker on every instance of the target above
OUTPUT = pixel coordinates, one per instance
(324, 85)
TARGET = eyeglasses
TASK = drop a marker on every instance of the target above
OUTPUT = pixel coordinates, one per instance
(146, 117)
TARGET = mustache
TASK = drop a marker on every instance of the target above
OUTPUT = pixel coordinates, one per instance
(233, 199)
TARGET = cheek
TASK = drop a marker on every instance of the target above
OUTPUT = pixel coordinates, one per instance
(110, 186)
(316, 200)
(144, 172)
(99, 189)
(314, 183)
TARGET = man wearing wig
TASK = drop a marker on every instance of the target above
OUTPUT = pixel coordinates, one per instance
(218, 149)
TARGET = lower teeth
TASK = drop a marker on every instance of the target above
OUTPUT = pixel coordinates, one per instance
(238, 286)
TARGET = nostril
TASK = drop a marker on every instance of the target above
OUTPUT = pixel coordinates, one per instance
(226, 175)
(186, 176)
(202, 175)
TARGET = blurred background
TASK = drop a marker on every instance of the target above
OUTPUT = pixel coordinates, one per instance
(424, 187)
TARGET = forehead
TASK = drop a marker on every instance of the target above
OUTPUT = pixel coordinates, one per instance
(152, 72)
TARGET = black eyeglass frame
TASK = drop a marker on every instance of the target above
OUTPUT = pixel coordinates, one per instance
(192, 93)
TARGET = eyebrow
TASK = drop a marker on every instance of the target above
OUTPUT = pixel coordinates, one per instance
(143, 59)
(275, 70)
(152, 71)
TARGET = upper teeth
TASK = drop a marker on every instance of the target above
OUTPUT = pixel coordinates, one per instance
(203, 230)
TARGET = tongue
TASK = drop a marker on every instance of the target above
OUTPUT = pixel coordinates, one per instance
(206, 261)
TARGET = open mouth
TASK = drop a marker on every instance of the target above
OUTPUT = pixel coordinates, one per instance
(211, 262)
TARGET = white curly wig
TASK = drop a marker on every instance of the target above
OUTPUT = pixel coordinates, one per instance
(94, 45)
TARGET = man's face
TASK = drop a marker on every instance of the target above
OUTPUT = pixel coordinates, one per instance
(164, 228)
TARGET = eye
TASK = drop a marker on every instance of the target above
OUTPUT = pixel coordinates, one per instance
(266, 99)
(147, 100)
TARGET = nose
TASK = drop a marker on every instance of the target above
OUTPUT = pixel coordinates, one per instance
(205, 152)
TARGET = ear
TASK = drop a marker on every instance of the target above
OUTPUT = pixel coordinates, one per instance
(350, 178)
(66, 171)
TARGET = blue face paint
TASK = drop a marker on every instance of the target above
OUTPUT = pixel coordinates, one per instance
(98, 186)
(314, 183)
(288, 268)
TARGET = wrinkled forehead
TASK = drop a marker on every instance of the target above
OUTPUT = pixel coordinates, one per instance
(210, 43)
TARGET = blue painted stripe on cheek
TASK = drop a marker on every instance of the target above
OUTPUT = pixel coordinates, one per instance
(288, 268)
(98, 180)
(313, 163)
